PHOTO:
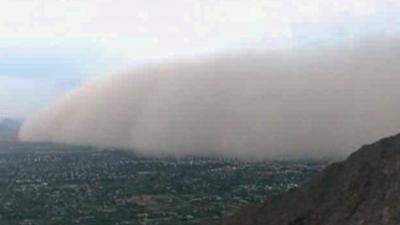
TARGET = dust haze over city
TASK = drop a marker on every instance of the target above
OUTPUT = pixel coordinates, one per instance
(199, 112)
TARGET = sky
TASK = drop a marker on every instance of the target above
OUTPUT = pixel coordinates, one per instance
(50, 47)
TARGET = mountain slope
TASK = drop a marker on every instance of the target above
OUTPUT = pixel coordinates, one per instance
(9, 130)
(362, 190)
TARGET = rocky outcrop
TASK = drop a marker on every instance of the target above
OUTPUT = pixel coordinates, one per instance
(362, 190)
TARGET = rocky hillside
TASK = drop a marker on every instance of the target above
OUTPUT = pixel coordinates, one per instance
(362, 190)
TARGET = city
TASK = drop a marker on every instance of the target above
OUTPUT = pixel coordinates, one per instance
(91, 186)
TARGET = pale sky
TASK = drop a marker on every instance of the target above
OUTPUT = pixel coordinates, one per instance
(48, 47)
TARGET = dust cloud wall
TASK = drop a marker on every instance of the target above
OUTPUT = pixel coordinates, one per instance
(304, 103)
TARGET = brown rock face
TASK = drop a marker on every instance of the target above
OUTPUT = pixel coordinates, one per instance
(362, 190)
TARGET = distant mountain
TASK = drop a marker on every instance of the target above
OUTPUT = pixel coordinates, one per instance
(9, 130)
(362, 190)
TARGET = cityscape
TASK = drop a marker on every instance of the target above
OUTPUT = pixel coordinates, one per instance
(91, 186)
